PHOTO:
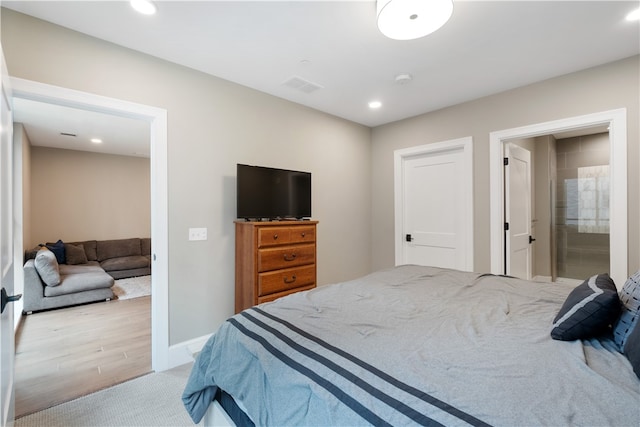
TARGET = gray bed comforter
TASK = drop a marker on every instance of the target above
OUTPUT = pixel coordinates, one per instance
(415, 346)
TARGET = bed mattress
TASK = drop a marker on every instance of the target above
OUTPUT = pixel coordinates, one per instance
(415, 345)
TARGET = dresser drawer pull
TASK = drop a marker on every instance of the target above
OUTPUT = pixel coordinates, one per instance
(275, 237)
(287, 280)
(303, 234)
(289, 257)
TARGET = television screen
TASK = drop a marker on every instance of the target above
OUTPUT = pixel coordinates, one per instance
(269, 193)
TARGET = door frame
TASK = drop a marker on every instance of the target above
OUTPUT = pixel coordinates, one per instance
(8, 268)
(400, 156)
(617, 122)
(157, 119)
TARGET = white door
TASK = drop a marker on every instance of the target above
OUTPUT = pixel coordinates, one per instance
(7, 352)
(435, 206)
(518, 237)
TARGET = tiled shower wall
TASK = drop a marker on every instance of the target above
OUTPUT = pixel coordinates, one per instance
(580, 251)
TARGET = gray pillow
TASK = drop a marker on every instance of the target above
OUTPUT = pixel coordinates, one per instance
(75, 254)
(630, 299)
(47, 267)
(588, 311)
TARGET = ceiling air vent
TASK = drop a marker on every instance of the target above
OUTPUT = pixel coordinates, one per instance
(302, 85)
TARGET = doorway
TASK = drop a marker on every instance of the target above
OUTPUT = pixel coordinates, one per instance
(581, 224)
(564, 208)
(157, 119)
(615, 122)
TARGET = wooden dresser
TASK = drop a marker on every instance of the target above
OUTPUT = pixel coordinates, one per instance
(273, 259)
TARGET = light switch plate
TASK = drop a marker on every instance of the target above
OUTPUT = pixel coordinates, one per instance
(197, 234)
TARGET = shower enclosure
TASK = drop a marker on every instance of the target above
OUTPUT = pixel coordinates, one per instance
(580, 207)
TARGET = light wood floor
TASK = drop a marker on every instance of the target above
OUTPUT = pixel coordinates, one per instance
(67, 353)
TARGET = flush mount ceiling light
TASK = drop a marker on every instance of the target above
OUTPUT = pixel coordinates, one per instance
(146, 7)
(412, 19)
(96, 140)
(634, 15)
(375, 105)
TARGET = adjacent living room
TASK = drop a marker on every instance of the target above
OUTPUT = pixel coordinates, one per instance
(83, 200)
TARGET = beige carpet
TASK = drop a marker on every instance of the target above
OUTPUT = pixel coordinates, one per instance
(132, 287)
(150, 400)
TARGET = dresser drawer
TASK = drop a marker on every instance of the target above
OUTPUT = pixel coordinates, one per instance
(271, 236)
(286, 256)
(288, 278)
(302, 234)
(273, 297)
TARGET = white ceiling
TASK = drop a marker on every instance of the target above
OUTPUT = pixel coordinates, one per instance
(56, 126)
(485, 48)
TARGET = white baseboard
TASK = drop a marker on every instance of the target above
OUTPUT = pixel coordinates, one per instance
(182, 353)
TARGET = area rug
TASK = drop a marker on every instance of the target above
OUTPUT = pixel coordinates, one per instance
(150, 400)
(132, 287)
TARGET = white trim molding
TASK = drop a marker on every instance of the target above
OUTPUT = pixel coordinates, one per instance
(617, 122)
(185, 352)
(157, 119)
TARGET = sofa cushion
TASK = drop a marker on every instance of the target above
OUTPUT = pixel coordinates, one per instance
(145, 246)
(75, 254)
(47, 267)
(125, 263)
(90, 248)
(73, 283)
(58, 249)
(107, 249)
(31, 253)
(89, 267)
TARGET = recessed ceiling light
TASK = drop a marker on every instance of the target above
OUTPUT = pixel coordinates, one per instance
(403, 78)
(634, 15)
(96, 140)
(375, 104)
(146, 7)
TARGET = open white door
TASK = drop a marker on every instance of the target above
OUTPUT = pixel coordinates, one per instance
(518, 237)
(7, 351)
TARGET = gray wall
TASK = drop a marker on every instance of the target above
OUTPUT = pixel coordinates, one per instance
(545, 177)
(79, 195)
(212, 125)
(607, 87)
(19, 134)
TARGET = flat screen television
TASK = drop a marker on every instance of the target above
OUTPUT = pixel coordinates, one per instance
(270, 193)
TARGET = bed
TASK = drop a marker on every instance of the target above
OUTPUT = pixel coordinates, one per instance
(415, 345)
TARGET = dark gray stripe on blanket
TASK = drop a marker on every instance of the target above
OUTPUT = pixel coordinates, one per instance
(425, 397)
(356, 406)
(396, 404)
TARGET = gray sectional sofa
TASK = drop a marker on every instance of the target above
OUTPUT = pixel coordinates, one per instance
(63, 274)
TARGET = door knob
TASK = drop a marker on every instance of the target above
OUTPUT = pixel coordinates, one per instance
(4, 299)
